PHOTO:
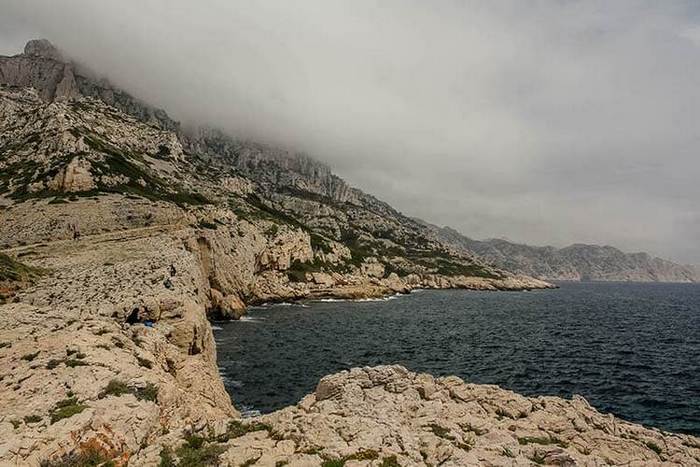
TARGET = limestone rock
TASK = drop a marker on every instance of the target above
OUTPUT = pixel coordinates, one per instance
(42, 48)
(75, 177)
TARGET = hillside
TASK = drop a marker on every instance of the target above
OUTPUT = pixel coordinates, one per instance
(61, 147)
(576, 262)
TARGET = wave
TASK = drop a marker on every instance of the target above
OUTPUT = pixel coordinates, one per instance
(251, 319)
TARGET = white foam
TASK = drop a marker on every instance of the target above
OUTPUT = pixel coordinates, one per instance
(249, 413)
(216, 328)
(251, 319)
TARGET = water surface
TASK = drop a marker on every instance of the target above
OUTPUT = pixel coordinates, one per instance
(630, 349)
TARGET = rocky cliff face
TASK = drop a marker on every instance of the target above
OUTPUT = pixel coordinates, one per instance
(576, 262)
(44, 68)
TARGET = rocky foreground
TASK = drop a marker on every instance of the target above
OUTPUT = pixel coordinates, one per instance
(109, 357)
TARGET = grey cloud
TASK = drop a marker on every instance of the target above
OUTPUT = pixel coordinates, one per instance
(544, 122)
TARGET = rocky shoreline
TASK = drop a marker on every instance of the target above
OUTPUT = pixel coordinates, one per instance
(80, 380)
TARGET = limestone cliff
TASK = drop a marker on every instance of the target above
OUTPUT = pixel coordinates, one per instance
(575, 262)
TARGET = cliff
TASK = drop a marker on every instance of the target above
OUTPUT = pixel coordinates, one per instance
(576, 262)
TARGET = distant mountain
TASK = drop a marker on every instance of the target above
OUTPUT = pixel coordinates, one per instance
(576, 262)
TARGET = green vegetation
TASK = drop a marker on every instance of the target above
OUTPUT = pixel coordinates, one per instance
(654, 447)
(320, 243)
(390, 461)
(66, 409)
(12, 270)
(53, 363)
(196, 452)
(440, 432)
(88, 457)
(333, 463)
(144, 362)
(166, 458)
(539, 458)
(206, 225)
(30, 356)
(32, 419)
(118, 388)
(74, 362)
(297, 270)
(238, 428)
(13, 274)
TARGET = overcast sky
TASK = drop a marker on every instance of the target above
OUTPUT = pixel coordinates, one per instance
(546, 122)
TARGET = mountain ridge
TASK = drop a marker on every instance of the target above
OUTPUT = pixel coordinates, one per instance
(578, 261)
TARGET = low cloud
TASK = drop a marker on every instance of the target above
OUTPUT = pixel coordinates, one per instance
(544, 122)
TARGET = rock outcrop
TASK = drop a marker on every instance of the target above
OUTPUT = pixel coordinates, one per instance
(389, 416)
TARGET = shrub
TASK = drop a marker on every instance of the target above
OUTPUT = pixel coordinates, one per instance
(195, 452)
(66, 409)
(390, 462)
(118, 388)
(89, 457)
(32, 419)
(145, 362)
(30, 356)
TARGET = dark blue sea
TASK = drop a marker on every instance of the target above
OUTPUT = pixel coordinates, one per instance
(630, 349)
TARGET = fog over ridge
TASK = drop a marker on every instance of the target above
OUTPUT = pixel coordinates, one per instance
(547, 122)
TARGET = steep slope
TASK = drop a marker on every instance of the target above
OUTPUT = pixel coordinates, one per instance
(76, 147)
(575, 262)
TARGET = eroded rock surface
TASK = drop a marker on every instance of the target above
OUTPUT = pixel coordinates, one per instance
(390, 416)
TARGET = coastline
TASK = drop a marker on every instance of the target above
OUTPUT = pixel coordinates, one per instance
(86, 381)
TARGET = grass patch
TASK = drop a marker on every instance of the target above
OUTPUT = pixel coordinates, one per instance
(196, 452)
(390, 461)
(32, 419)
(90, 457)
(66, 409)
(539, 458)
(74, 362)
(333, 463)
(12, 270)
(237, 428)
(166, 458)
(441, 432)
(118, 388)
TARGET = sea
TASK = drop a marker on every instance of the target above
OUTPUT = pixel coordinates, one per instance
(631, 349)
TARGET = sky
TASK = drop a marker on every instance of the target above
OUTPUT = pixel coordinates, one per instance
(543, 122)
